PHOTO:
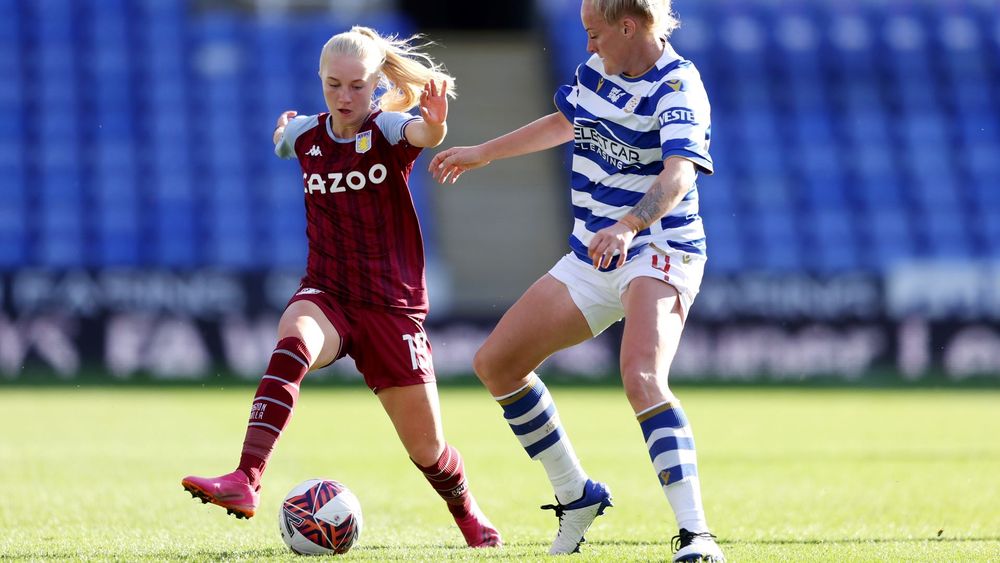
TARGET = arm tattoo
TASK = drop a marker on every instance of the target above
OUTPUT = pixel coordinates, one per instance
(650, 207)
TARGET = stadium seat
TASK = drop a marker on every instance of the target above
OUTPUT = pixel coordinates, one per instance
(727, 254)
(716, 195)
(176, 240)
(945, 232)
(13, 250)
(889, 238)
(823, 194)
(987, 230)
(880, 112)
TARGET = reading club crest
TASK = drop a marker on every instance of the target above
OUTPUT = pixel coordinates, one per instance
(363, 142)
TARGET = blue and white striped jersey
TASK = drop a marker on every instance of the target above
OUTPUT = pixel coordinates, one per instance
(624, 129)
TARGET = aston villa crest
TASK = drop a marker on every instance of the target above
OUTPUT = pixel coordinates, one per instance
(363, 142)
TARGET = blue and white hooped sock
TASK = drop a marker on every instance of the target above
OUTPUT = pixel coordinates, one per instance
(533, 417)
(671, 448)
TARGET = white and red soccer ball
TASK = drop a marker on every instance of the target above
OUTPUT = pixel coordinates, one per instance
(320, 517)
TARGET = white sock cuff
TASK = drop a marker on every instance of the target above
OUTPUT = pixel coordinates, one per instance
(533, 378)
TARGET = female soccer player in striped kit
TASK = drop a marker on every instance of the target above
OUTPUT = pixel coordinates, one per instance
(364, 292)
(639, 118)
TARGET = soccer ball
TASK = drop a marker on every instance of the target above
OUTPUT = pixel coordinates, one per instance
(320, 517)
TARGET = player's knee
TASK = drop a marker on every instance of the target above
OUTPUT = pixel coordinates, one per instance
(426, 453)
(638, 365)
(482, 364)
(640, 373)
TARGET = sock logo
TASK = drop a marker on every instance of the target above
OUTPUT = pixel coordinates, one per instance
(257, 410)
(457, 491)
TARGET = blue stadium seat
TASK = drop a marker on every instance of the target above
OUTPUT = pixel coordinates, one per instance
(985, 192)
(867, 126)
(763, 158)
(935, 190)
(976, 127)
(13, 250)
(10, 18)
(11, 58)
(873, 162)
(727, 253)
(862, 98)
(226, 250)
(889, 238)
(832, 235)
(925, 130)
(946, 234)
(13, 217)
(287, 253)
(876, 195)
(814, 127)
(13, 123)
(118, 249)
(716, 194)
(176, 240)
(823, 194)
(973, 95)
(987, 227)
(775, 244)
(61, 186)
(847, 123)
(809, 96)
(62, 251)
(818, 160)
(175, 185)
(766, 195)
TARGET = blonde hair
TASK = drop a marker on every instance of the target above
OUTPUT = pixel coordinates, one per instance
(402, 68)
(657, 14)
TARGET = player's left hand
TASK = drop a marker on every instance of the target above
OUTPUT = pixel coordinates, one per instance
(608, 242)
(434, 104)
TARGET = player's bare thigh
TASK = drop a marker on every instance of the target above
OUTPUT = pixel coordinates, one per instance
(306, 321)
(415, 413)
(653, 326)
(543, 321)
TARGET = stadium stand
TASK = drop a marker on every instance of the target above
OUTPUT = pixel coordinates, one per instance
(847, 135)
(136, 133)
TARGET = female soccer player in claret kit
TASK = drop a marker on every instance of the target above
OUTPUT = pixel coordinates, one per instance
(638, 115)
(364, 292)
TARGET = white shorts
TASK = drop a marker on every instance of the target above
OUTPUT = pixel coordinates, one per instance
(598, 294)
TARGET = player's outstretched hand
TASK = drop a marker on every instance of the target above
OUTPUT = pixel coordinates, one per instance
(282, 122)
(608, 242)
(451, 163)
(285, 117)
(434, 105)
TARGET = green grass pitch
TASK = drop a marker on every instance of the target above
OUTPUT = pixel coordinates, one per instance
(788, 475)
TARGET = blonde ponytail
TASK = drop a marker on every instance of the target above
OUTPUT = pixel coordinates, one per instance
(404, 70)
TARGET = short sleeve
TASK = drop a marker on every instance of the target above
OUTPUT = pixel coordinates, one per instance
(286, 144)
(393, 124)
(566, 96)
(565, 100)
(684, 117)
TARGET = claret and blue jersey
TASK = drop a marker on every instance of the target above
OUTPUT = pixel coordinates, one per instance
(365, 244)
(624, 128)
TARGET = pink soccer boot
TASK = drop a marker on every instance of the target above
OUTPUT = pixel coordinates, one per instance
(231, 491)
(477, 529)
